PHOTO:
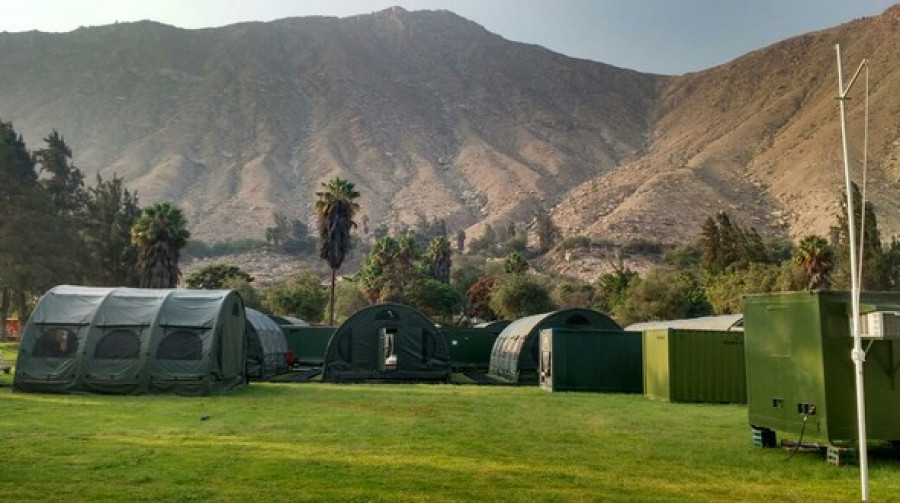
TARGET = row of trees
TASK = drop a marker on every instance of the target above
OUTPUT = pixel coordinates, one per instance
(54, 229)
(57, 230)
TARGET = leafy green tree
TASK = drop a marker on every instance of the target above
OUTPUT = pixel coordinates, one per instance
(545, 231)
(112, 211)
(815, 256)
(727, 246)
(300, 295)
(376, 275)
(159, 234)
(436, 299)
(335, 208)
(725, 292)
(245, 289)
(875, 276)
(465, 271)
(214, 276)
(349, 299)
(685, 256)
(612, 288)
(277, 234)
(440, 260)
(515, 263)
(21, 243)
(518, 295)
(291, 236)
(487, 243)
(63, 184)
(663, 294)
(574, 293)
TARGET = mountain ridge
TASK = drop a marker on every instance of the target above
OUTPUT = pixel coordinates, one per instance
(431, 115)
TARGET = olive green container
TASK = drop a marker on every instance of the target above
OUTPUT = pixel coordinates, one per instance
(590, 360)
(797, 347)
(470, 348)
(307, 344)
(685, 365)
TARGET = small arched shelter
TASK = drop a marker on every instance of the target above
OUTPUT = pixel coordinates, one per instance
(514, 357)
(386, 342)
(133, 341)
(266, 346)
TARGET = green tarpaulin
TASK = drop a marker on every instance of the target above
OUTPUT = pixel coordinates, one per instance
(133, 341)
(266, 346)
(386, 342)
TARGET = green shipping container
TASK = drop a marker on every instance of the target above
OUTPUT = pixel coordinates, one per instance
(307, 344)
(683, 365)
(590, 360)
(798, 365)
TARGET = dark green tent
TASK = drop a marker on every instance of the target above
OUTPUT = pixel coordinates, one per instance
(266, 346)
(514, 357)
(133, 341)
(386, 342)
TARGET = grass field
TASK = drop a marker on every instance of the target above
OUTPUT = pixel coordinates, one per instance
(326, 442)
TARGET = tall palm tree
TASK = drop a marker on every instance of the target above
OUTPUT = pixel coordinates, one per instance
(439, 258)
(335, 208)
(815, 256)
(158, 235)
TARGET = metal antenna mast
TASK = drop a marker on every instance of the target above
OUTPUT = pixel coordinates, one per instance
(857, 354)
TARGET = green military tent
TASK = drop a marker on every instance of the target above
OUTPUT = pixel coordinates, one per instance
(386, 342)
(266, 346)
(133, 341)
(514, 357)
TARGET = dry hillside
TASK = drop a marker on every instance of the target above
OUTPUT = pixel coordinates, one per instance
(760, 138)
(430, 114)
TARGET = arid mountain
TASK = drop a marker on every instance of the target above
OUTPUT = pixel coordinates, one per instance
(759, 138)
(431, 115)
(426, 112)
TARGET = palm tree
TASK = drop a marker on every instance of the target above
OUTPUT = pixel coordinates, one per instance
(439, 259)
(158, 235)
(335, 208)
(815, 256)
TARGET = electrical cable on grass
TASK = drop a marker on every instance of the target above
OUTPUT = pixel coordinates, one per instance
(800, 441)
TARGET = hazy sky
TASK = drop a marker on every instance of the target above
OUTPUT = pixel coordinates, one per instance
(660, 36)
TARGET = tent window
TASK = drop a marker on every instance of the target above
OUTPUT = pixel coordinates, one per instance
(118, 343)
(180, 345)
(57, 342)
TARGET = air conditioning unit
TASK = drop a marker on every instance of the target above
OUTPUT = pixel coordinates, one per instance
(880, 325)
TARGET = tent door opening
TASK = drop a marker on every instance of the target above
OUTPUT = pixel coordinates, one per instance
(387, 343)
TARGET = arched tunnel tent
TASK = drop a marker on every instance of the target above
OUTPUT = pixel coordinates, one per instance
(386, 342)
(514, 357)
(131, 341)
(266, 346)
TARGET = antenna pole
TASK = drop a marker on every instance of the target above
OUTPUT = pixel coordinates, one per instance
(857, 354)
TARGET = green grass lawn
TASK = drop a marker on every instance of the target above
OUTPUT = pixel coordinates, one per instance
(381, 442)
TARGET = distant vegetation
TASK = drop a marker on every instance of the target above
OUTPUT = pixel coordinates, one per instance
(57, 230)
(200, 249)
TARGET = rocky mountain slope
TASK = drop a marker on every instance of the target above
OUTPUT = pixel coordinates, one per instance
(431, 115)
(760, 138)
